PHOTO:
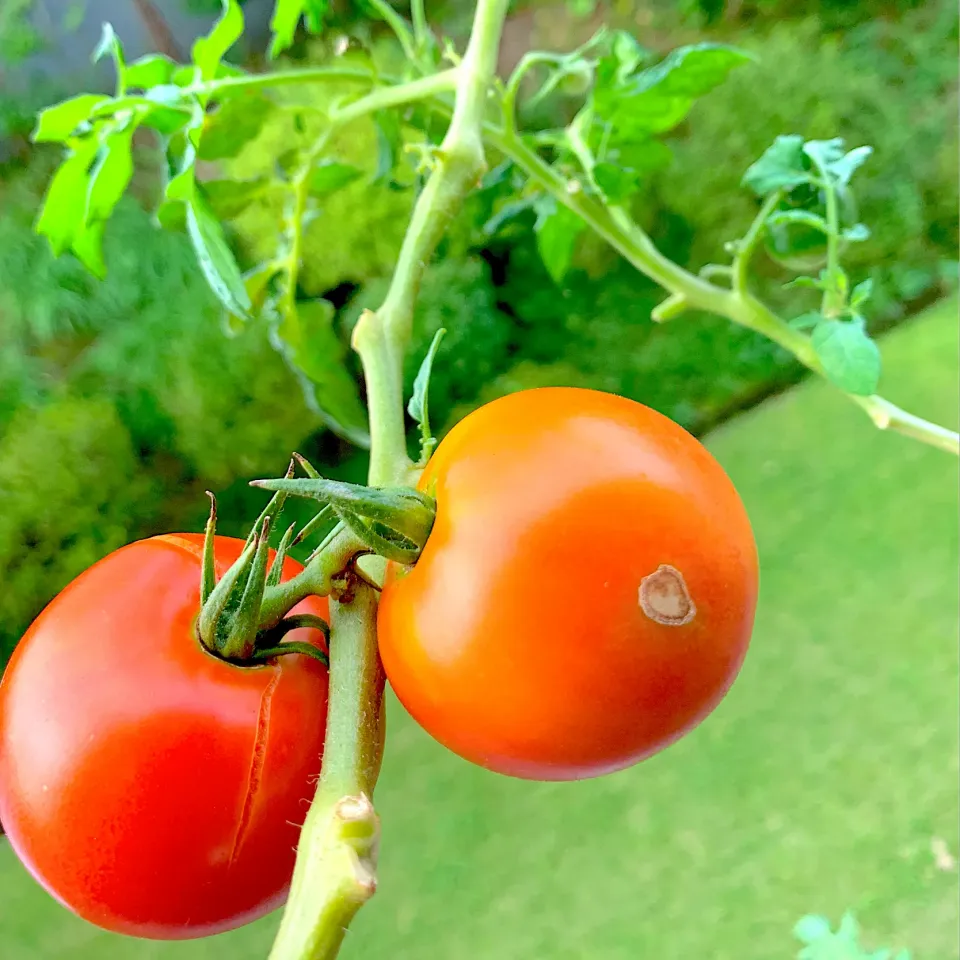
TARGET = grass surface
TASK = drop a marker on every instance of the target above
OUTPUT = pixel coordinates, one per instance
(820, 784)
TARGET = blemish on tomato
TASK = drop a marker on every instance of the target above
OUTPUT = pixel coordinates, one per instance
(664, 597)
(255, 775)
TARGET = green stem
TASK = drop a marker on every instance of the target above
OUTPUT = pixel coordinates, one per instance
(392, 94)
(690, 291)
(381, 338)
(886, 416)
(833, 225)
(301, 189)
(627, 238)
(379, 99)
(336, 865)
(336, 858)
(421, 30)
(746, 246)
(398, 94)
(399, 27)
(281, 78)
(512, 89)
(315, 579)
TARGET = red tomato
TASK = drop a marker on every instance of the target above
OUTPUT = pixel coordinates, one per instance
(151, 787)
(587, 593)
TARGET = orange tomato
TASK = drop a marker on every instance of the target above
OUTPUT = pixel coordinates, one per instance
(586, 595)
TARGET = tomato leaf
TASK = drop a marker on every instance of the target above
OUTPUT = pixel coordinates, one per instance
(850, 359)
(63, 220)
(306, 338)
(110, 46)
(627, 52)
(150, 71)
(419, 406)
(208, 51)
(238, 120)
(658, 98)
(806, 321)
(57, 123)
(833, 162)
(857, 233)
(286, 18)
(171, 215)
(257, 282)
(810, 929)
(389, 145)
(844, 168)
(166, 121)
(623, 172)
(824, 153)
(507, 212)
(314, 13)
(557, 229)
(215, 256)
(331, 176)
(782, 167)
(181, 159)
(64, 207)
(111, 174)
(229, 198)
(87, 247)
(809, 283)
(861, 293)
(617, 183)
(692, 71)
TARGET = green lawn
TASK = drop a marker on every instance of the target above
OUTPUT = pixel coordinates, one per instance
(819, 785)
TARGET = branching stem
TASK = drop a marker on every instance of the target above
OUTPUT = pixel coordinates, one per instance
(336, 859)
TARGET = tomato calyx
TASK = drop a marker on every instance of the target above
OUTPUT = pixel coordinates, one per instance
(235, 622)
(270, 643)
(243, 615)
(393, 522)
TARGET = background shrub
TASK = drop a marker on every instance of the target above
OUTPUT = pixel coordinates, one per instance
(121, 401)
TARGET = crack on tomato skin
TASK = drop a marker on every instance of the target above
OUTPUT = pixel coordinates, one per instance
(257, 760)
(665, 598)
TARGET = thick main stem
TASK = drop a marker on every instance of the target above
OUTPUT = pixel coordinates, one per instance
(336, 860)
(337, 856)
(381, 338)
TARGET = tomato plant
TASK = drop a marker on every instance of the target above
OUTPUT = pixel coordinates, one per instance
(574, 576)
(587, 593)
(150, 786)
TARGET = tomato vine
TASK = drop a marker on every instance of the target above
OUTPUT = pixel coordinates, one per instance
(579, 176)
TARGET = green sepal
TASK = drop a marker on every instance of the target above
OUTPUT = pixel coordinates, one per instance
(225, 595)
(382, 539)
(322, 519)
(272, 510)
(276, 570)
(240, 640)
(394, 522)
(308, 468)
(295, 621)
(293, 646)
(208, 572)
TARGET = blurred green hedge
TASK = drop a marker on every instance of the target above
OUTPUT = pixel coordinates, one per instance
(121, 401)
